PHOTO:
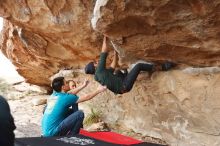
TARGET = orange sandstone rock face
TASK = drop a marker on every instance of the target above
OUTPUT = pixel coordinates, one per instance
(178, 107)
(185, 31)
(41, 37)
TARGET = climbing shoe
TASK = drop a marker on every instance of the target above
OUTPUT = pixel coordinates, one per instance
(167, 65)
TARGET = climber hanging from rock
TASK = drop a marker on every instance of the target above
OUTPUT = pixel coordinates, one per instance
(119, 82)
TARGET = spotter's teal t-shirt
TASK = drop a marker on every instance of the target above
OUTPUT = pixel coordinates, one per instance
(56, 111)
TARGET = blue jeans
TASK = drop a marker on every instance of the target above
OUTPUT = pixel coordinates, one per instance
(71, 125)
(129, 80)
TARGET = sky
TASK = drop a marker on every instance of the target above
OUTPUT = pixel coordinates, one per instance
(7, 69)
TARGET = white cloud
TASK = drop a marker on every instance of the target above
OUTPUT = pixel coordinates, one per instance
(7, 69)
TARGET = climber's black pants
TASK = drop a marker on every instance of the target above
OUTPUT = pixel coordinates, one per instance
(129, 80)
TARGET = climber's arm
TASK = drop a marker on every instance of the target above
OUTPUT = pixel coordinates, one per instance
(104, 45)
(103, 56)
(114, 63)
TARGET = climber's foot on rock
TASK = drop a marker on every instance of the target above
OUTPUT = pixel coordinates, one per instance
(167, 65)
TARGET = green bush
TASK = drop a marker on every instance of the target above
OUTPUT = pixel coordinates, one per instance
(93, 117)
(4, 87)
